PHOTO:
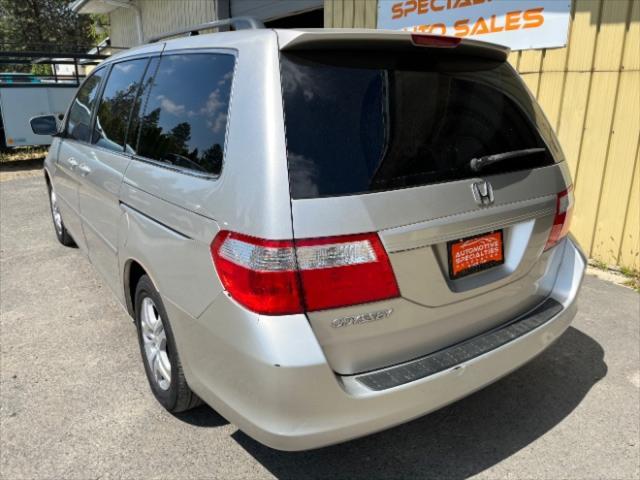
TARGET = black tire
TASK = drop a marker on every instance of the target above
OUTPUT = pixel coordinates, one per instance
(178, 397)
(62, 234)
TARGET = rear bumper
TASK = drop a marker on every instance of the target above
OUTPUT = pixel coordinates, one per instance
(269, 376)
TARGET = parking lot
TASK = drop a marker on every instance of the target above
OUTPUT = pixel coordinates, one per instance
(75, 401)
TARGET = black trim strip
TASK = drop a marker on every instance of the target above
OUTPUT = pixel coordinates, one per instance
(174, 168)
(163, 225)
(462, 352)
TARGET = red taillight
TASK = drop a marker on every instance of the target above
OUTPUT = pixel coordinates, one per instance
(436, 41)
(562, 220)
(277, 277)
(259, 274)
(345, 270)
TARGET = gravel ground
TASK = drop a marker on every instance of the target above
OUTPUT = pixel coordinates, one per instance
(74, 402)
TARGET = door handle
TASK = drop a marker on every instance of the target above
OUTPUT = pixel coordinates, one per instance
(73, 163)
(84, 170)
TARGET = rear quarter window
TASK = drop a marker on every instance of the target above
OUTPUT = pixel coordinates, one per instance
(184, 119)
(359, 122)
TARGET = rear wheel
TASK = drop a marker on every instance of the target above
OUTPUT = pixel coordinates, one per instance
(61, 232)
(158, 348)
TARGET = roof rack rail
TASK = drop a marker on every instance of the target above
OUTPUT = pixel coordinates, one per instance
(249, 23)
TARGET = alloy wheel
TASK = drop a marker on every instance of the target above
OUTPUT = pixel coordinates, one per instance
(155, 343)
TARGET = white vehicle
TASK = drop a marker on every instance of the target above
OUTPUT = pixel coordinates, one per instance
(19, 102)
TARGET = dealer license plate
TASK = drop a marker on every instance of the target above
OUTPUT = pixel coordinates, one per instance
(474, 254)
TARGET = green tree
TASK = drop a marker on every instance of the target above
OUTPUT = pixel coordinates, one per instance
(212, 158)
(43, 25)
(180, 136)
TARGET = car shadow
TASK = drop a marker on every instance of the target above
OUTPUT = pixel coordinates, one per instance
(202, 416)
(466, 437)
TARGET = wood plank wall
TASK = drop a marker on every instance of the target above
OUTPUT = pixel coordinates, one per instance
(590, 91)
(158, 16)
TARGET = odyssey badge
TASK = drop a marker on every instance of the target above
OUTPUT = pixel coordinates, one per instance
(361, 318)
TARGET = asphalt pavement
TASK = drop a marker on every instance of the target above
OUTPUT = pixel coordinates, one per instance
(74, 400)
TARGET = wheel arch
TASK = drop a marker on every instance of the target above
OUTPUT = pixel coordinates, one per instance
(133, 271)
(47, 178)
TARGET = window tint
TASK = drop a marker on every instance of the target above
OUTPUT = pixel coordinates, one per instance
(359, 122)
(114, 110)
(134, 126)
(79, 121)
(184, 122)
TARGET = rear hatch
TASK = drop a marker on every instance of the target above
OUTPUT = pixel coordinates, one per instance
(382, 140)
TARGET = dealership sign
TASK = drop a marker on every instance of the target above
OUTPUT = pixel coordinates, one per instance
(518, 24)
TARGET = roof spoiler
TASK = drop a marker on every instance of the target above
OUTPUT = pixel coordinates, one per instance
(367, 39)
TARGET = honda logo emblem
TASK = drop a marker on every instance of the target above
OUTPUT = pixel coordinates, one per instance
(482, 192)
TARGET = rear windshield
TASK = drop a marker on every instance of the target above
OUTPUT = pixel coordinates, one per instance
(359, 122)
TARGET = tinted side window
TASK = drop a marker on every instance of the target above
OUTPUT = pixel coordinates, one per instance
(115, 107)
(79, 122)
(184, 122)
(139, 104)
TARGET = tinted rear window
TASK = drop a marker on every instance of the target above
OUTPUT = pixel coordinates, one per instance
(360, 122)
(185, 117)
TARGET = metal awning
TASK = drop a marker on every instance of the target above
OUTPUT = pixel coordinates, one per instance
(107, 6)
(92, 6)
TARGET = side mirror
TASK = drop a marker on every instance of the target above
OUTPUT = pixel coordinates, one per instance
(44, 125)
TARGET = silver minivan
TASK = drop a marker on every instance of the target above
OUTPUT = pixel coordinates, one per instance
(319, 233)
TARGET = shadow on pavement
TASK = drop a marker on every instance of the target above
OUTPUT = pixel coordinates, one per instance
(466, 437)
(202, 416)
(22, 165)
(12, 169)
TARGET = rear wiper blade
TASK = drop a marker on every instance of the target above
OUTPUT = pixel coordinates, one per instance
(478, 164)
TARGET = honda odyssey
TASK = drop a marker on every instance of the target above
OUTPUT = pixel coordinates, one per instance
(319, 233)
